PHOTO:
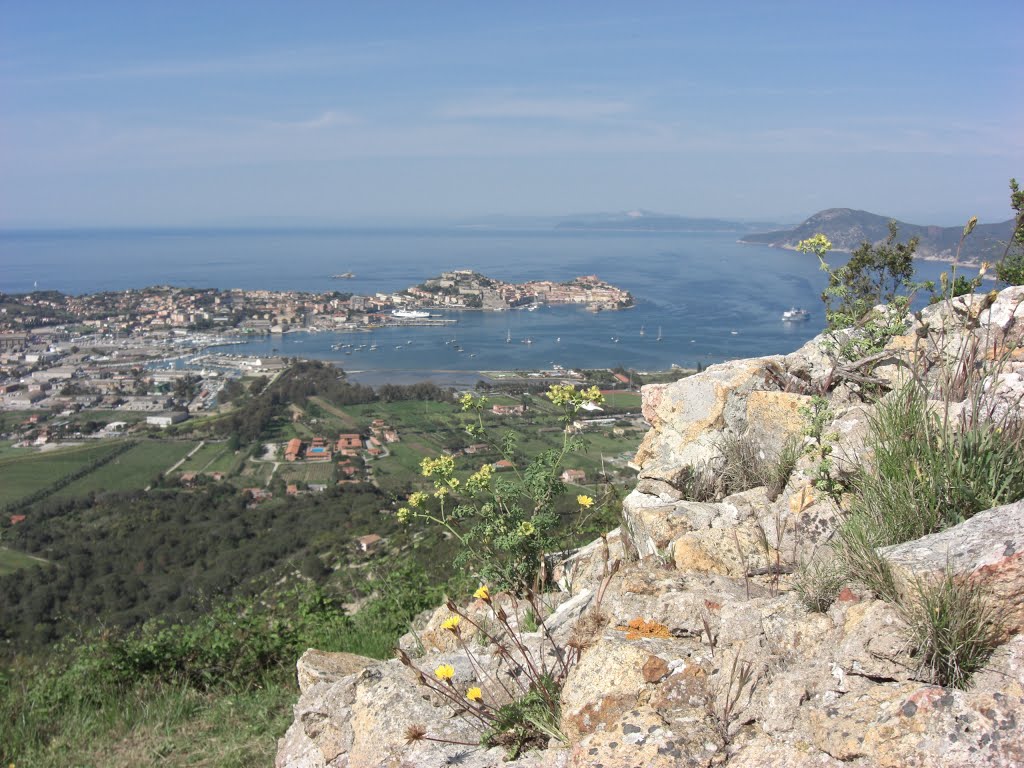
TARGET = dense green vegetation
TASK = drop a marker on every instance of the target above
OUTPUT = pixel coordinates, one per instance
(153, 616)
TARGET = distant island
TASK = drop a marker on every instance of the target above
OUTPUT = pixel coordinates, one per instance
(848, 228)
(647, 221)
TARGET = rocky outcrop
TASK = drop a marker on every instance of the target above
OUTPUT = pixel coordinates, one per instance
(701, 652)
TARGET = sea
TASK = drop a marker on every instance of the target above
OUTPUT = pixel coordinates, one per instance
(701, 298)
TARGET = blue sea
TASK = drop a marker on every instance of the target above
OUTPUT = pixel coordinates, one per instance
(709, 297)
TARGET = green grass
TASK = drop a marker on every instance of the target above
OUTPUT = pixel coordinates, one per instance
(29, 472)
(302, 473)
(204, 457)
(227, 461)
(12, 560)
(255, 473)
(630, 400)
(133, 470)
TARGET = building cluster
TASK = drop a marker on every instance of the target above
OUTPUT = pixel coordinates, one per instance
(343, 449)
(31, 324)
(465, 289)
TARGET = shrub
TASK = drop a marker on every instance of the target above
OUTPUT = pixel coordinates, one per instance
(504, 522)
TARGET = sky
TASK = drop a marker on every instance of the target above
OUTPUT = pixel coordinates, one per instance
(235, 113)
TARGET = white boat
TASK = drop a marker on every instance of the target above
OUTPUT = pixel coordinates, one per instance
(795, 315)
(409, 314)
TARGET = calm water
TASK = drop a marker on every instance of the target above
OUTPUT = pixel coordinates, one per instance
(710, 297)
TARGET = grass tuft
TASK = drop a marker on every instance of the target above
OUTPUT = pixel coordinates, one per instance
(954, 628)
(931, 471)
(819, 582)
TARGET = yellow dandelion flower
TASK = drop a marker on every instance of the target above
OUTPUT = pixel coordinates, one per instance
(584, 501)
(445, 672)
(483, 593)
(474, 694)
(451, 623)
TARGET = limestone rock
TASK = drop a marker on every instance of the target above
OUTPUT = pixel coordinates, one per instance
(688, 415)
(765, 751)
(584, 568)
(322, 667)
(774, 417)
(643, 738)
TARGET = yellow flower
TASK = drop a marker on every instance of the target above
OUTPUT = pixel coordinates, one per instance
(403, 514)
(483, 593)
(526, 528)
(445, 672)
(451, 624)
(454, 482)
(584, 501)
(441, 492)
(474, 694)
(417, 498)
(466, 401)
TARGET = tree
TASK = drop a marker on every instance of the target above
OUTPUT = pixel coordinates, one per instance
(875, 274)
(1010, 269)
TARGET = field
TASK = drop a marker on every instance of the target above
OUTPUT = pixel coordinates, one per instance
(33, 471)
(301, 473)
(133, 470)
(622, 399)
(211, 454)
(11, 560)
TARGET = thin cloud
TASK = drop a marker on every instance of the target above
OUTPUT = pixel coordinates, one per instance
(536, 109)
(242, 64)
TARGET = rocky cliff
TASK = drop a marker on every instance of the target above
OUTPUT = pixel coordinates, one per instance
(701, 652)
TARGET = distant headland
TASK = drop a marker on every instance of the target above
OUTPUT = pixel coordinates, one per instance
(848, 228)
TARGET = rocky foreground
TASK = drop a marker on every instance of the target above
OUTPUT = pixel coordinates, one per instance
(699, 652)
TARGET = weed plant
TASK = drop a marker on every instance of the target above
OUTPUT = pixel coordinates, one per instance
(930, 471)
(953, 628)
(818, 583)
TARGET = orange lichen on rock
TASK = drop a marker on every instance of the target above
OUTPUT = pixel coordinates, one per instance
(638, 628)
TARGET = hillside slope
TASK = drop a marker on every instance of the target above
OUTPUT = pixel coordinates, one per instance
(697, 644)
(848, 228)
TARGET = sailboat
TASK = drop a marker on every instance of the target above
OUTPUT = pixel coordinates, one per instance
(659, 334)
(508, 336)
(641, 330)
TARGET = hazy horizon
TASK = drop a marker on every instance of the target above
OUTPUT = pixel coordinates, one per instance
(128, 115)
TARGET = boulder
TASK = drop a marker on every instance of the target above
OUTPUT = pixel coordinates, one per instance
(689, 416)
(988, 548)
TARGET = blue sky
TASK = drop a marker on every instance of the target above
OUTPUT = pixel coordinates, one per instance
(150, 113)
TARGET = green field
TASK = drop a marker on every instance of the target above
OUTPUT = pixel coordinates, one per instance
(11, 560)
(206, 456)
(302, 473)
(30, 472)
(621, 399)
(130, 471)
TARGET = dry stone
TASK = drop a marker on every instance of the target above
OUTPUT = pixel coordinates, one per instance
(689, 416)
